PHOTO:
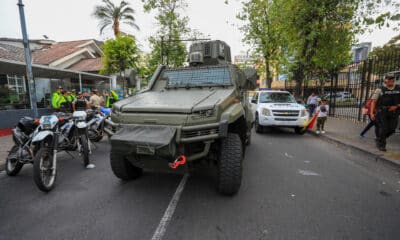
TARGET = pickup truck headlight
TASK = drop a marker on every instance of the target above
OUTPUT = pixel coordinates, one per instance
(266, 112)
(303, 113)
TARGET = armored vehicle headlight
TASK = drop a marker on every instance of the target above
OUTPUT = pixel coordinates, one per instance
(204, 113)
(266, 112)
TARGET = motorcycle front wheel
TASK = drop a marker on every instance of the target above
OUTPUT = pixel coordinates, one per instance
(13, 165)
(84, 141)
(44, 173)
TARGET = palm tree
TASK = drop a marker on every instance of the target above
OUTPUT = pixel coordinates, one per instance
(112, 15)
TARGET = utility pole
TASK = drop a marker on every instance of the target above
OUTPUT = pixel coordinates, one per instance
(31, 83)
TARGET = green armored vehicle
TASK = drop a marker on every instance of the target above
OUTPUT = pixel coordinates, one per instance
(188, 114)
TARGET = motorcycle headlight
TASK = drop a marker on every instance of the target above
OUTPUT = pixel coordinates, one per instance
(303, 113)
(266, 112)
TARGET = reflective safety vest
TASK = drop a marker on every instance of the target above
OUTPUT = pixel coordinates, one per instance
(55, 100)
(107, 102)
(71, 98)
(114, 95)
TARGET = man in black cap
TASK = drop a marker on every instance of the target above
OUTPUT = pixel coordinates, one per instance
(386, 102)
(80, 103)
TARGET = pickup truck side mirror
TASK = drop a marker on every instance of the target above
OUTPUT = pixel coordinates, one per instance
(254, 101)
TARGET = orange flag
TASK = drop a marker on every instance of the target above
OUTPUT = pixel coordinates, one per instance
(311, 123)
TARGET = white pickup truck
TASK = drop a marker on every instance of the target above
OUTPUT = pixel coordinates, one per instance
(278, 109)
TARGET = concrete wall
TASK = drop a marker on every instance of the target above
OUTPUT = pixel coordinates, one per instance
(9, 118)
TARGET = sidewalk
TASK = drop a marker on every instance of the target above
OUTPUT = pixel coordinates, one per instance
(6, 143)
(348, 132)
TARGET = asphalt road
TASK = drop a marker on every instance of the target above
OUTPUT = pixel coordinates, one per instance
(294, 187)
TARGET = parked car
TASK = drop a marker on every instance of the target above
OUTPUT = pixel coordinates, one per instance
(278, 109)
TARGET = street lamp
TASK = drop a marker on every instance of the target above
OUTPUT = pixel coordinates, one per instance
(29, 74)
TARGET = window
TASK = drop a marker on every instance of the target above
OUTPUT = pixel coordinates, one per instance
(208, 76)
(13, 92)
(276, 97)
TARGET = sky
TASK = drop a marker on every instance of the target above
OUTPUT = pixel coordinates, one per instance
(64, 20)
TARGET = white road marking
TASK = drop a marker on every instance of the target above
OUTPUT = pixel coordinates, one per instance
(162, 227)
(308, 173)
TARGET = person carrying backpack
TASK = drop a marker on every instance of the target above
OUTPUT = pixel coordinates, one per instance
(322, 115)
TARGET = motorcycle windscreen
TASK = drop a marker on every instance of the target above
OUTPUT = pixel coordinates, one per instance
(144, 139)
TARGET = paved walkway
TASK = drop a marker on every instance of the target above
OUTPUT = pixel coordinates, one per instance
(348, 132)
(6, 143)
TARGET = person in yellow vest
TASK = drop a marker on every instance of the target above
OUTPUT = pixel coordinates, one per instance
(63, 103)
(113, 98)
(72, 96)
(106, 99)
(55, 98)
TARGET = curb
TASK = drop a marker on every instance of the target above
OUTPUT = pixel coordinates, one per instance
(340, 142)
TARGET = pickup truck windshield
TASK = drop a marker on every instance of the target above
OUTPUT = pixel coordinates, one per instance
(192, 77)
(276, 97)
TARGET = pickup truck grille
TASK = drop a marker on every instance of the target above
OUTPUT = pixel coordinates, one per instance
(285, 113)
(286, 119)
(198, 133)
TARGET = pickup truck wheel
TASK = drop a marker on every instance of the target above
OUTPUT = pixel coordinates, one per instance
(300, 130)
(122, 168)
(230, 164)
(258, 127)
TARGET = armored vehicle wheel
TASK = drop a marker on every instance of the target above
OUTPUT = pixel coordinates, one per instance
(122, 168)
(300, 130)
(230, 164)
(258, 127)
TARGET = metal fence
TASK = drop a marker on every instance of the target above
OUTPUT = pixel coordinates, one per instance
(348, 90)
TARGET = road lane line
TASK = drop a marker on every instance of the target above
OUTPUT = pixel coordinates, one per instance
(162, 227)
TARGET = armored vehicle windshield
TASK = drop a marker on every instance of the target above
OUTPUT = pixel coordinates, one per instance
(197, 76)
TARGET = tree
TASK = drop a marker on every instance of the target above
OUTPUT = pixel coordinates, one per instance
(260, 32)
(111, 15)
(172, 26)
(384, 57)
(120, 54)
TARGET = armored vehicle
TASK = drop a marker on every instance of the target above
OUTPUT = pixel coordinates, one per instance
(187, 114)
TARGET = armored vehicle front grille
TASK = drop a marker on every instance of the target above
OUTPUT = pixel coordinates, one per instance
(198, 133)
(286, 119)
(285, 113)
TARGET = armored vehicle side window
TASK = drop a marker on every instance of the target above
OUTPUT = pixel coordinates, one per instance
(203, 76)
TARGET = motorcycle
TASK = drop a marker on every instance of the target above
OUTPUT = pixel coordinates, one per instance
(23, 150)
(96, 121)
(54, 134)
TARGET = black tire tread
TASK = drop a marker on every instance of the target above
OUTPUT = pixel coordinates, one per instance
(122, 168)
(17, 167)
(85, 150)
(230, 165)
(36, 171)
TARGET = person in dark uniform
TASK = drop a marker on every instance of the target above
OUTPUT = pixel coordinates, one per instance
(80, 103)
(386, 102)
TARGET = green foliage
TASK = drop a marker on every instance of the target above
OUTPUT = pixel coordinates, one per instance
(111, 15)
(383, 56)
(261, 24)
(119, 54)
(171, 27)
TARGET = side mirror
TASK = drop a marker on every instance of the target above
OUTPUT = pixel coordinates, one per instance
(251, 78)
(254, 101)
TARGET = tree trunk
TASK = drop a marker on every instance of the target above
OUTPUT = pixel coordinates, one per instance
(123, 83)
(299, 78)
(267, 72)
(116, 27)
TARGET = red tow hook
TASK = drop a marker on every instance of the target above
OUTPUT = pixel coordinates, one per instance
(180, 160)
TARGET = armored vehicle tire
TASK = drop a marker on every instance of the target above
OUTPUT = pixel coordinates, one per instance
(122, 168)
(257, 126)
(230, 165)
(300, 130)
(13, 166)
(248, 139)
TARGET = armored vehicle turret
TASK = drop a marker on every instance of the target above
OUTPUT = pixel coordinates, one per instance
(188, 114)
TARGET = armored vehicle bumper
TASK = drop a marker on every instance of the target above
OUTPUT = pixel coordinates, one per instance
(154, 146)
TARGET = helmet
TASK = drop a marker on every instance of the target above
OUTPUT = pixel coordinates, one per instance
(389, 76)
